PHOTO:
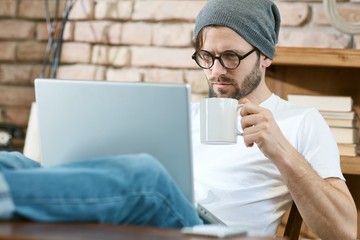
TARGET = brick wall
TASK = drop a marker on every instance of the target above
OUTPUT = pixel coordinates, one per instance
(133, 40)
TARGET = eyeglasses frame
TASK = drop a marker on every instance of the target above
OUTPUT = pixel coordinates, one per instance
(241, 57)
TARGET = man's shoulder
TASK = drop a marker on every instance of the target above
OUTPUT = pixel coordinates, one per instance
(283, 108)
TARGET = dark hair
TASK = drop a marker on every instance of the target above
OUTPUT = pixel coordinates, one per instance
(198, 42)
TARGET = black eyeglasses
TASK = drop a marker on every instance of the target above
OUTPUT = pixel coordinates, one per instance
(228, 59)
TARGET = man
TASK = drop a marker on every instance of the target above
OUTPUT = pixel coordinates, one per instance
(285, 153)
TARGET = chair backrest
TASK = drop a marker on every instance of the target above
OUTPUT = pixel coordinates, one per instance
(293, 225)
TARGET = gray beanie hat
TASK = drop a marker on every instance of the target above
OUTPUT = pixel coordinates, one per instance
(257, 21)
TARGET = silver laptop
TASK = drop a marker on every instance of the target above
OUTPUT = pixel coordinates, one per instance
(80, 120)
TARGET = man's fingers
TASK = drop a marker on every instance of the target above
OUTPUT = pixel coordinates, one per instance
(249, 140)
(249, 108)
(249, 121)
(244, 100)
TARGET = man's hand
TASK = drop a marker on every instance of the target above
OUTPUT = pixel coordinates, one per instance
(260, 127)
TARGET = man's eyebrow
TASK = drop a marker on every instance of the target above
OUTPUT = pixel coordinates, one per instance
(240, 52)
(237, 51)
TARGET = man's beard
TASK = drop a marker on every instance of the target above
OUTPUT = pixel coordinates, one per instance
(250, 83)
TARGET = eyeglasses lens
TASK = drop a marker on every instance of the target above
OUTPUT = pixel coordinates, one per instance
(204, 59)
(228, 59)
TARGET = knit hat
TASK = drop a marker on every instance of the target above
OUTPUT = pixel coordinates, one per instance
(256, 21)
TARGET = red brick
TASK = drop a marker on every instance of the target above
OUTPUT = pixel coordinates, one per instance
(42, 31)
(164, 76)
(75, 52)
(167, 10)
(18, 116)
(16, 29)
(119, 56)
(93, 31)
(100, 54)
(16, 96)
(68, 34)
(114, 33)
(16, 74)
(113, 9)
(162, 57)
(136, 33)
(83, 9)
(30, 51)
(125, 75)
(293, 14)
(36, 9)
(312, 38)
(7, 50)
(7, 8)
(173, 35)
(349, 13)
(81, 72)
(115, 56)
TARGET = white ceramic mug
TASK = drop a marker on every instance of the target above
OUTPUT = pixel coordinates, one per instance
(219, 120)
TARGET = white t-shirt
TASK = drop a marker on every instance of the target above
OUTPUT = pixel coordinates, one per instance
(241, 186)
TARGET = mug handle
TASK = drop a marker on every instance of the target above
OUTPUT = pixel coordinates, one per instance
(238, 108)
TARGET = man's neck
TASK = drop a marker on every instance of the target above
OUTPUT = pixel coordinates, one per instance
(260, 94)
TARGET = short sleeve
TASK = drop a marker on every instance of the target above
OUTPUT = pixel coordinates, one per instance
(317, 144)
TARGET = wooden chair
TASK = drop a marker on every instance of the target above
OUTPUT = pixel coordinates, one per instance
(293, 225)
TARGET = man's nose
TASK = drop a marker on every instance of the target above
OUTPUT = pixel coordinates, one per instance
(217, 69)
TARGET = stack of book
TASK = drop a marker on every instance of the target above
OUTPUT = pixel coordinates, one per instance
(339, 114)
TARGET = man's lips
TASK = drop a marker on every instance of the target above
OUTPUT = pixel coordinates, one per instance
(221, 83)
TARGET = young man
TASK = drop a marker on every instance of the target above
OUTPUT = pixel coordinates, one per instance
(286, 153)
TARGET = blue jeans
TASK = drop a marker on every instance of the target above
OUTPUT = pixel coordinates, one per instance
(127, 189)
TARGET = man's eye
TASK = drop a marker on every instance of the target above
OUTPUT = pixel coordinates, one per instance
(230, 56)
(206, 57)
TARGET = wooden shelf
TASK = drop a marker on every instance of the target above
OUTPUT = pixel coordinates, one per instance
(323, 71)
(317, 71)
(350, 165)
(317, 57)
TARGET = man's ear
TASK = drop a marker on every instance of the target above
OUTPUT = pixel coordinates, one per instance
(266, 62)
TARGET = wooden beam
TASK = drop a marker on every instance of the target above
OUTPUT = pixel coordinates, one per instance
(317, 57)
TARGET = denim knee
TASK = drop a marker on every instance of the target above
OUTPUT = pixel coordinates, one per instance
(142, 172)
(148, 171)
(149, 165)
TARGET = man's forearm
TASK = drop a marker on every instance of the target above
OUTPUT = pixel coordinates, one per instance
(326, 206)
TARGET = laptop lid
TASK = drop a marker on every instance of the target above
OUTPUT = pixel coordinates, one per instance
(80, 120)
